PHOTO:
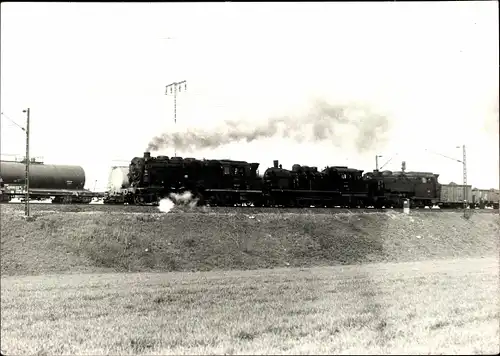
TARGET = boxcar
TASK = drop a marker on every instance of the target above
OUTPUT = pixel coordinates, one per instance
(453, 195)
(482, 198)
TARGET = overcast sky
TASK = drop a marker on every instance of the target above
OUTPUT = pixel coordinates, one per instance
(94, 77)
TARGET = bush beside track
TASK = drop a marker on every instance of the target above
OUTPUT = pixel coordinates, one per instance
(189, 241)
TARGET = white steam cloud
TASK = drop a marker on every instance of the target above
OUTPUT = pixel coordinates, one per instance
(166, 205)
(184, 199)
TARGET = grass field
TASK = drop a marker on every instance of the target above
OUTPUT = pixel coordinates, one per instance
(444, 307)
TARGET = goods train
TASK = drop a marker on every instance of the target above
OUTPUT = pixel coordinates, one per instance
(227, 183)
(60, 183)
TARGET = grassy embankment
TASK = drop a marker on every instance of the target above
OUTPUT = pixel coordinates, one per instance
(424, 307)
(437, 307)
(105, 241)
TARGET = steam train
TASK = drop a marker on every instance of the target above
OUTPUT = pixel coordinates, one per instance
(228, 183)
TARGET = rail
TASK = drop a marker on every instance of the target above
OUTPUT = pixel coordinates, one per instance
(264, 209)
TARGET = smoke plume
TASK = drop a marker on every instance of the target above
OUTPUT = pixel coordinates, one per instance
(337, 124)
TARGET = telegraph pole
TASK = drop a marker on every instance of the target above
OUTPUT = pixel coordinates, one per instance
(464, 171)
(173, 89)
(376, 161)
(464, 168)
(27, 178)
(27, 163)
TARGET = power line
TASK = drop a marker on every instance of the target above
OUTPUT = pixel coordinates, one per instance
(15, 123)
(376, 161)
(388, 161)
(442, 155)
(174, 87)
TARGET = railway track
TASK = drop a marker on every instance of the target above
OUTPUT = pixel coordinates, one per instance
(222, 210)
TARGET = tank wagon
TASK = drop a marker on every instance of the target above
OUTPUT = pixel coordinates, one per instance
(61, 183)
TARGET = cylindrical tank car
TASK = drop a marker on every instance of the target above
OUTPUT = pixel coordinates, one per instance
(61, 183)
(43, 176)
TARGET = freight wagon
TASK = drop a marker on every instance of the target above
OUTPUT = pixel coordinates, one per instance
(61, 183)
(482, 198)
(453, 195)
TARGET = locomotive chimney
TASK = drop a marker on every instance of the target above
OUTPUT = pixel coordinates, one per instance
(275, 163)
(147, 155)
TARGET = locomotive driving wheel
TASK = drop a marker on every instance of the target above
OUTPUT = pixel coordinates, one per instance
(301, 203)
(139, 200)
(200, 199)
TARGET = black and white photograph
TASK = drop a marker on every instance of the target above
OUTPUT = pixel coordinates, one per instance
(249, 178)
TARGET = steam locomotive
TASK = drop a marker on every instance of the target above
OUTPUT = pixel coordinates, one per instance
(230, 183)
